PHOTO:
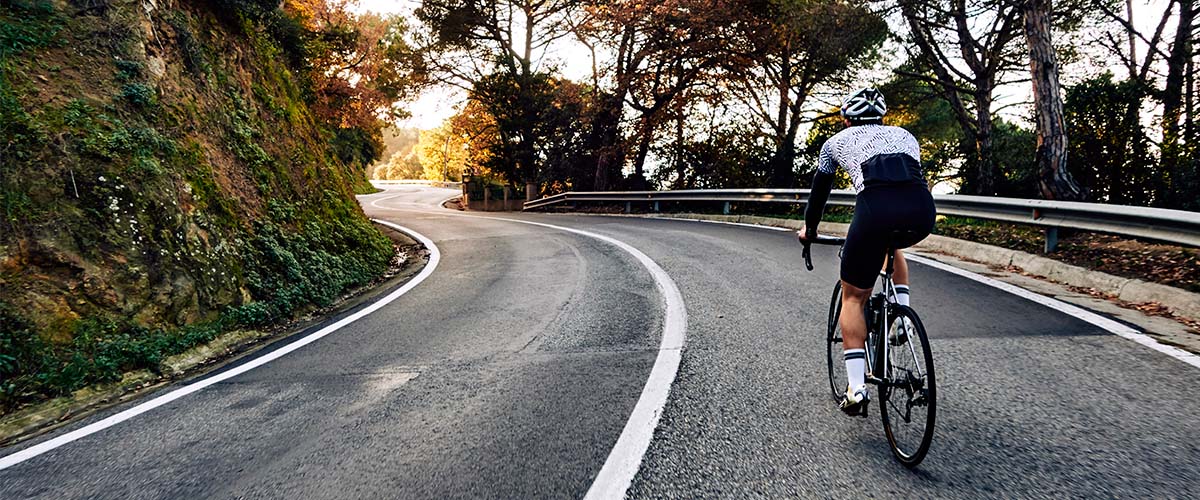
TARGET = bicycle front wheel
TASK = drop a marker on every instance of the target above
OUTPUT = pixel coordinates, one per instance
(833, 346)
(908, 399)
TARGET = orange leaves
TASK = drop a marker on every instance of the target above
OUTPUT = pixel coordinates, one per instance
(359, 65)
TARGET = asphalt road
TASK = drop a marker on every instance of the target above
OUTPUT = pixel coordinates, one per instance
(512, 370)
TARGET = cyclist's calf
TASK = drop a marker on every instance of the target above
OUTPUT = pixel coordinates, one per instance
(852, 320)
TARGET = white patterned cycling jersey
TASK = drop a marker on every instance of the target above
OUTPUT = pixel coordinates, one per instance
(853, 146)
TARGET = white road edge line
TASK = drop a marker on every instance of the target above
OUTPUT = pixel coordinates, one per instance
(33, 451)
(1114, 327)
(623, 462)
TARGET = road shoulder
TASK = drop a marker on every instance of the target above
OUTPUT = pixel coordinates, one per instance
(202, 360)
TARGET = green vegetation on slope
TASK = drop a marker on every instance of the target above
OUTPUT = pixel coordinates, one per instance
(162, 180)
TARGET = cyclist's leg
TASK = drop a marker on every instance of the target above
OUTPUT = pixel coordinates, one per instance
(900, 277)
(912, 211)
(899, 269)
(854, 339)
(864, 247)
(852, 321)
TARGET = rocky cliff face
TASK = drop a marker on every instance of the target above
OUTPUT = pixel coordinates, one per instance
(161, 179)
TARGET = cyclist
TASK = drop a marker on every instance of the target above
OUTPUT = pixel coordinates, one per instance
(884, 167)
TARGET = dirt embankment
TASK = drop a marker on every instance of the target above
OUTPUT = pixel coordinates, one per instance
(162, 180)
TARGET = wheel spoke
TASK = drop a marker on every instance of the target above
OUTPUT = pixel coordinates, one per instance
(909, 411)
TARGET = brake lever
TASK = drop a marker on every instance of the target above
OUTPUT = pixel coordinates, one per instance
(807, 255)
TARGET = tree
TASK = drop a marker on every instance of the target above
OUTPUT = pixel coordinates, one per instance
(401, 166)
(491, 49)
(916, 105)
(1174, 149)
(1054, 180)
(725, 158)
(981, 32)
(1110, 151)
(538, 127)
(662, 51)
(360, 65)
(800, 44)
(1176, 176)
(442, 153)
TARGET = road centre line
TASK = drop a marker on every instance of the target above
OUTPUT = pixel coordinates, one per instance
(33, 451)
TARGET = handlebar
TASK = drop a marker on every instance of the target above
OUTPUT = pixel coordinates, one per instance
(821, 240)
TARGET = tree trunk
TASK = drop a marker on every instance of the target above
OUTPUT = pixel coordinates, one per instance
(783, 174)
(1189, 106)
(608, 142)
(985, 173)
(1054, 180)
(680, 165)
(1172, 99)
(645, 138)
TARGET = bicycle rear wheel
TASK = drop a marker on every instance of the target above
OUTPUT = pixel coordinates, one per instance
(833, 343)
(908, 402)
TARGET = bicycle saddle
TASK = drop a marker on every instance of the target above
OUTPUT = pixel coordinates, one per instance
(903, 238)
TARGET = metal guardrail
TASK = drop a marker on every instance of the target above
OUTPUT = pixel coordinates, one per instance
(1160, 224)
(442, 184)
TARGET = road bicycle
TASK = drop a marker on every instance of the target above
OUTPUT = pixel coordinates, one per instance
(899, 362)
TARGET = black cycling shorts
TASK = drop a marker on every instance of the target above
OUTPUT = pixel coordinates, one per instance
(880, 210)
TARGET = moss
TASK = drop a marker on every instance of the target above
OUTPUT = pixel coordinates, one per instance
(132, 183)
(28, 25)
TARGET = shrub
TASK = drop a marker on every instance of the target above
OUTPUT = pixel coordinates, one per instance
(139, 94)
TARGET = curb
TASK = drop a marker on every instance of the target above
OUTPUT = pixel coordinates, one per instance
(1179, 301)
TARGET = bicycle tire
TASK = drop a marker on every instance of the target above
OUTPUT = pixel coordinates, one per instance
(890, 410)
(833, 346)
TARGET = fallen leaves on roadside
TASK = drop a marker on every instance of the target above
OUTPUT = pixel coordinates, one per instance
(1129, 258)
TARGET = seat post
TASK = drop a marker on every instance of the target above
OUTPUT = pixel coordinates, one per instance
(891, 262)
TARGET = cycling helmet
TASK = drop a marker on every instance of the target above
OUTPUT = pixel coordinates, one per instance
(864, 105)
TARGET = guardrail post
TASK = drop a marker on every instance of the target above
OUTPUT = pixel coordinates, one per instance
(726, 209)
(656, 206)
(1051, 239)
(628, 207)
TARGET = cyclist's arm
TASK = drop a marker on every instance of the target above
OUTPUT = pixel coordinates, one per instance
(821, 186)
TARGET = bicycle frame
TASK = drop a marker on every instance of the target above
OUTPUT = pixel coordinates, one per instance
(901, 387)
(879, 354)
(877, 325)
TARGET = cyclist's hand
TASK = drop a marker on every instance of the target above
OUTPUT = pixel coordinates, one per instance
(807, 253)
(802, 234)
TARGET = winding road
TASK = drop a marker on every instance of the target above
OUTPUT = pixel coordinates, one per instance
(525, 364)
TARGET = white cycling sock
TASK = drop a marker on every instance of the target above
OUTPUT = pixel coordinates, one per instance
(856, 367)
(902, 294)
